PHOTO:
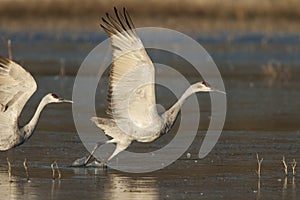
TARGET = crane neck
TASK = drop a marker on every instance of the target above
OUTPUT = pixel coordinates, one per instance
(171, 114)
(188, 92)
(28, 129)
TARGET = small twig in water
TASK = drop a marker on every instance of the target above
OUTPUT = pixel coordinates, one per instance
(285, 166)
(294, 164)
(9, 169)
(58, 171)
(259, 161)
(53, 171)
(26, 168)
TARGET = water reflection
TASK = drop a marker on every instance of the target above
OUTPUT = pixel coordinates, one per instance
(293, 188)
(16, 187)
(258, 195)
(125, 187)
(284, 187)
(117, 185)
(84, 184)
(289, 192)
(54, 187)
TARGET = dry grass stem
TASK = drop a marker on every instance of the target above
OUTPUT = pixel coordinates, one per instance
(58, 171)
(259, 162)
(9, 169)
(53, 170)
(285, 166)
(26, 168)
(294, 164)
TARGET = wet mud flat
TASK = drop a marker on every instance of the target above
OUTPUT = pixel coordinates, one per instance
(261, 76)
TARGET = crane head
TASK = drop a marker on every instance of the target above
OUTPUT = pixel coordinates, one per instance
(204, 87)
(53, 98)
(201, 87)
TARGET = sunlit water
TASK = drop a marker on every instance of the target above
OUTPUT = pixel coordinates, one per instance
(262, 80)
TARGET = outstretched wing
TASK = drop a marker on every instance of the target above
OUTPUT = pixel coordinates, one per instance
(16, 87)
(131, 92)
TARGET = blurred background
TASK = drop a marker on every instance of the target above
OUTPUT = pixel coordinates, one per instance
(256, 46)
(198, 15)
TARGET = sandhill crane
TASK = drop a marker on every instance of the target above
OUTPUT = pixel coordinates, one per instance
(16, 87)
(131, 95)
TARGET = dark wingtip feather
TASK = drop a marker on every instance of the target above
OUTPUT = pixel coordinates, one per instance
(106, 29)
(128, 19)
(119, 19)
(4, 61)
(116, 10)
(104, 20)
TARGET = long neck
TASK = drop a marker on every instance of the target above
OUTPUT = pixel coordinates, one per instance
(28, 128)
(171, 114)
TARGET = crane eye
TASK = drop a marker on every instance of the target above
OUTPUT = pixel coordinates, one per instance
(204, 83)
(54, 96)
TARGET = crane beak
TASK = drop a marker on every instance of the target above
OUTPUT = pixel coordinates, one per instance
(214, 90)
(65, 101)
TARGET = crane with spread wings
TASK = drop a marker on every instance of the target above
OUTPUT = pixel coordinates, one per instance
(131, 94)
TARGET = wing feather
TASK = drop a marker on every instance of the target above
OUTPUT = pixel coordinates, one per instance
(16, 87)
(131, 93)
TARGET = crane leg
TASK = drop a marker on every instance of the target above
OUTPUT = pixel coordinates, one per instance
(93, 151)
(84, 161)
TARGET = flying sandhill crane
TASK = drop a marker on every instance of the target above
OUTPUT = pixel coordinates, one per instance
(16, 87)
(131, 95)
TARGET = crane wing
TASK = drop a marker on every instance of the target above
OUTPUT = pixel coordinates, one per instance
(16, 87)
(131, 92)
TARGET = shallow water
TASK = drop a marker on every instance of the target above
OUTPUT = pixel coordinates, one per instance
(261, 76)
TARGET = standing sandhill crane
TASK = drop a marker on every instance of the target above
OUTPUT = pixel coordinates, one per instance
(131, 95)
(16, 87)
